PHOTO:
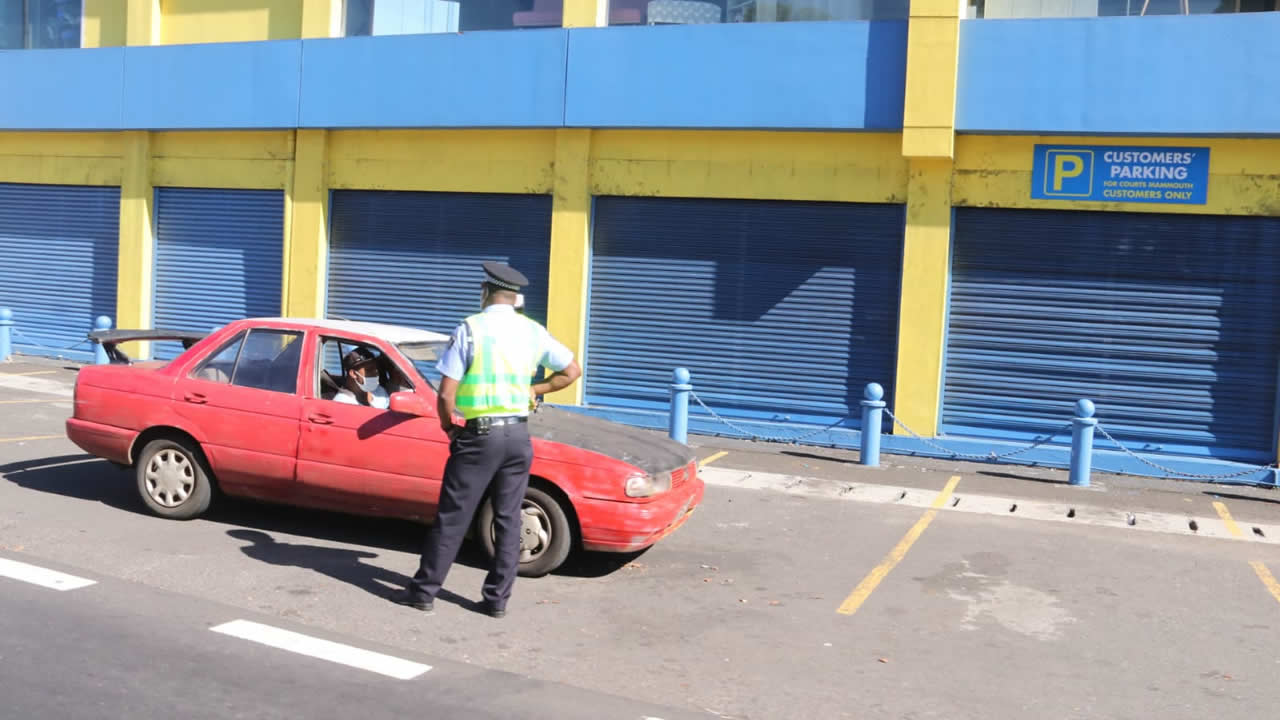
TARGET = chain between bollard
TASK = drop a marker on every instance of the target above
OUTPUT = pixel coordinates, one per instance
(757, 436)
(992, 456)
(42, 346)
(1179, 473)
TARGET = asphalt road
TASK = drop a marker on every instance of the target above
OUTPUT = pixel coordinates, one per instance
(735, 615)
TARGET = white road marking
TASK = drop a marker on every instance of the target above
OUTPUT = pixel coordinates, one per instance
(44, 386)
(322, 649)
(51, 579)
(1055, 511)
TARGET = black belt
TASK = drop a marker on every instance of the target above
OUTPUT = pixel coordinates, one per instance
(475, 424)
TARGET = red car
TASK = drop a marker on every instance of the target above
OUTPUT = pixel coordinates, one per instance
(256, 409)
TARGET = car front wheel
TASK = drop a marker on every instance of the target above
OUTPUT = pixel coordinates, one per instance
(545, 534)
(172, 479)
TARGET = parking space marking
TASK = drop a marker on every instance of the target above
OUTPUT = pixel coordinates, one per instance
(322, 649)
(29, 437)
(1259, 569)
(30, 400)
(878, 573)
(43, 577)
(710, 459)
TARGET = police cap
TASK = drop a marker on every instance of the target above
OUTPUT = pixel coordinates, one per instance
(504, 276)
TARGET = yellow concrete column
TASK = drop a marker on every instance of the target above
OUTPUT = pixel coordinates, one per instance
(143, 18)
(928, 141)
(321, 18)
(103, 23)
(137, 243)
(586, 13)
(306, 242)
(933, 47)
(570, 250)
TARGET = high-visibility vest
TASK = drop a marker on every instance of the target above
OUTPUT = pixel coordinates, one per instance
(505, 354)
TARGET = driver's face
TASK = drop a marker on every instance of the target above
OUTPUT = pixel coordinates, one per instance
(364, 370)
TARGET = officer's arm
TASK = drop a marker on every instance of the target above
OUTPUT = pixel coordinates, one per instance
(446, 403)
(559, 380)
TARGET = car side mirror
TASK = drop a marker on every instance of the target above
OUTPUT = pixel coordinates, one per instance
(410, 404)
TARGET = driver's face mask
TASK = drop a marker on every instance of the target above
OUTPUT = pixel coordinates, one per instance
(370, 383)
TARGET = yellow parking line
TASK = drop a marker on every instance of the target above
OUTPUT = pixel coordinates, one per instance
(1227, 520)
(878, 573)
(1259, 569)
(713, 458)
(32, 372)
(29, 437)
(1267, 578)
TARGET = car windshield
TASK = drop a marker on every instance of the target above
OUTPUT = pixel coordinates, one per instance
(424, 357)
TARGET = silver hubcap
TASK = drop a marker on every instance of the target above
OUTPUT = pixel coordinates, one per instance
(535, 531)
(170, 478)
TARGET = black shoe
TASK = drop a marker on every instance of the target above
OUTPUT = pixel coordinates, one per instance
(404, 598)
(493, 612)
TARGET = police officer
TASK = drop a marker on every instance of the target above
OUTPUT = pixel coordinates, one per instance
(487, 373)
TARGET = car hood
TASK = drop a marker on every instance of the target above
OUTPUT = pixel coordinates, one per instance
(651, 452)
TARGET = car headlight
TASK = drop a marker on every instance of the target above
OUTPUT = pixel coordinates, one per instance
(640, 486)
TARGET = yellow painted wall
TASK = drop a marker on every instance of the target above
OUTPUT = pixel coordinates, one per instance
(570, 258)
(842, 167)
(995, 171)
(203, 21)
(306, 249)
(57, 158)
(507, 161)
(103, 23)
(227, 159)
(137, 242)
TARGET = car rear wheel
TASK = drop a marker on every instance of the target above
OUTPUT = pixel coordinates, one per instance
(546, 536)
(172, 479)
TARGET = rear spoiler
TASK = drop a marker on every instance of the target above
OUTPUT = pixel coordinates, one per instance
(109, 339)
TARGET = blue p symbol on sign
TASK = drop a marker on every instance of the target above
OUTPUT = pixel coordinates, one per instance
(1068, 173)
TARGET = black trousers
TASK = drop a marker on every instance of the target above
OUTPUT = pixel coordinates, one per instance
(498, 463)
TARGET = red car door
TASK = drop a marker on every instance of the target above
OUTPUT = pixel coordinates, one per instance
(358, 458)
(243, 400)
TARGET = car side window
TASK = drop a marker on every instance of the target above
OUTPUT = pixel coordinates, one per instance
(269, 361)
(219, 366)
(331, 371)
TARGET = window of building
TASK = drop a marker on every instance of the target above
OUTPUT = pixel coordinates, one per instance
(413, 17)
(1112, 8)
(38, 24)
(695, 12)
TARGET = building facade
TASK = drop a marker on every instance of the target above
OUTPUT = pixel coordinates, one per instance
(991, 209)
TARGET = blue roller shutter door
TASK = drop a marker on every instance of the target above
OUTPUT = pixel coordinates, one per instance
(1167, 322)
(780, 310)
(218, 258)
(58, 259)
(413, 258)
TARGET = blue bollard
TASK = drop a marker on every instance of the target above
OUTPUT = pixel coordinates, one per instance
(680, 389)
(1082, 426)
(6, 334)
(99, 352)
(872, 407)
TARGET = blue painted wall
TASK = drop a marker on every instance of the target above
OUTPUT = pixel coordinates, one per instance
(1209, 74)
(61, 89)
(223, 85)
(846, 75)
(835, 75)
(482, 79)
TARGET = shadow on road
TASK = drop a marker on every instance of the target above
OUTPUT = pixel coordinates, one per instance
(85, 477)
(80, 476)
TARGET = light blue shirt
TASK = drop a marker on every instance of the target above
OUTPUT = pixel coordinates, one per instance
(552, 354)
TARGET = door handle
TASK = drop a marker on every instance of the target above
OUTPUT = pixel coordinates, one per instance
(320, 419)
(195, 397)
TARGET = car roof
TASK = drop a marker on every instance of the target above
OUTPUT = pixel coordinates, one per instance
(395, 334)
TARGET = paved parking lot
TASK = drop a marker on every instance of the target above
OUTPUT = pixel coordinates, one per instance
(947, 614)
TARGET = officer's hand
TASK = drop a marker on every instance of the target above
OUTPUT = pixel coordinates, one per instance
(533, 399)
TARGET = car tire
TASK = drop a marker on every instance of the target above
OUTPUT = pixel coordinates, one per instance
(542, 513)
(173, 480)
